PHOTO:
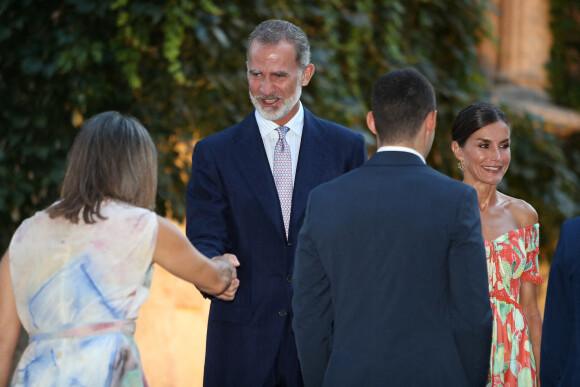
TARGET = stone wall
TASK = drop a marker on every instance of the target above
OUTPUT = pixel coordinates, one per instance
(514, 60)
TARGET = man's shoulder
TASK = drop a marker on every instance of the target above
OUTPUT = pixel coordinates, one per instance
(568, 252)
(442, 188)
(229, 134)
(569, 232)
(448, 183)
(572, 224)
(340, 184)
(424, 175)
(330, 127)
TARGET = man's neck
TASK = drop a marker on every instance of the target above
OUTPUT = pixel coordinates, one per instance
(401, 148)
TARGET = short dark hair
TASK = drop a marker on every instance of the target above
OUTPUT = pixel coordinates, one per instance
(474, 117)
(272, 32)
(401, 100)
(112, 157)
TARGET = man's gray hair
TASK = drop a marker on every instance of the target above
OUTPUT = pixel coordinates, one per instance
(272, 32)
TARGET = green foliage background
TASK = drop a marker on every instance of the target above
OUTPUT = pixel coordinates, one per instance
(564, 66)
(179, 67)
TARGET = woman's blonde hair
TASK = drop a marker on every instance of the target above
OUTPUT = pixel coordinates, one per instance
(112, 157)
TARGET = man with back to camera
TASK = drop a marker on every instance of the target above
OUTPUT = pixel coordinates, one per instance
(390, 277)
(247, 196)
(560, 349)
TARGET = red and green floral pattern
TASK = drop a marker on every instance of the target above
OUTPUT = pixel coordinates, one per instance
(512, 258)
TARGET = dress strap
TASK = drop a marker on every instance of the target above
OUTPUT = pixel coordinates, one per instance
(126, 327)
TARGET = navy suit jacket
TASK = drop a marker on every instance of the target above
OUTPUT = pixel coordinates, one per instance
(233, 207)
(560, 353)
(390, 280)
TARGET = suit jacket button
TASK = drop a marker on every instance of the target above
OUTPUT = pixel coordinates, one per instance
(282, 313)
(289, 278)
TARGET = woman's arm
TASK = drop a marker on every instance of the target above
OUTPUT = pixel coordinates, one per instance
(9, 322)
(527, 216)
(529, 303)
(174, 253)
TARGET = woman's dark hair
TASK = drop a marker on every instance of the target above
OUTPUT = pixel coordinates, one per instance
(474, 117)
(112, 157)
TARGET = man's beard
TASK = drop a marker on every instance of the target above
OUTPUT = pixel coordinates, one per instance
(275, 113)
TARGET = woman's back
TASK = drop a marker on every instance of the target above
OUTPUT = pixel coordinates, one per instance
(78, 288)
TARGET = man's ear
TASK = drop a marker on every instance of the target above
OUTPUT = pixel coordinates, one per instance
(431, 121)
(307, 74)
(371, 122)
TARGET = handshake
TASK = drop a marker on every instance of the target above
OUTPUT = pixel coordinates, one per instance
(227, 264)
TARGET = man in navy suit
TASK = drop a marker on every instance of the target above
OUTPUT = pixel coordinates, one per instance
(390, 279)
(560, 350)
(247, 196)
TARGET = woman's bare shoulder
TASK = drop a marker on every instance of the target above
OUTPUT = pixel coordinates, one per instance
(524, 214)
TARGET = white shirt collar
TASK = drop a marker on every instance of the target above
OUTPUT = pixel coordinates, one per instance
(388, 148)
(296, 123)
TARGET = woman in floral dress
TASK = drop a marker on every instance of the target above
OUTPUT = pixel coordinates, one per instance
(481, 143)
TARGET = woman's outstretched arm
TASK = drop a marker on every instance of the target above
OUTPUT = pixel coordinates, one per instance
(177, 255)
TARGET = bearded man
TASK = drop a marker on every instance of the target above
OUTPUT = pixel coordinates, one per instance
(247, 196)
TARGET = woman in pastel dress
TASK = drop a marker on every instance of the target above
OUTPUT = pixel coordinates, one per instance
(481, 143)
(76, 274)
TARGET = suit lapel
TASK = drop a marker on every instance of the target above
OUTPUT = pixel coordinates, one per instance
(253, 165)
(310, 170)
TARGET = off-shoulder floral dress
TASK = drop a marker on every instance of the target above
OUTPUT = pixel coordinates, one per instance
(512, 258)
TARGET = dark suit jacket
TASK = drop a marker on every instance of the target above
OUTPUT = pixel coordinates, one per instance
(560, 353)
(390, 280)
(233, 206)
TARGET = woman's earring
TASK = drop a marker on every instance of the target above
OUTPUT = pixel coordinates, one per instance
(461, 166)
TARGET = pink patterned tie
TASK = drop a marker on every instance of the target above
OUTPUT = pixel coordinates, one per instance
(283, 175)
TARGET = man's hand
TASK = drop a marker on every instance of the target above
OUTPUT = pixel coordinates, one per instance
(230, 292)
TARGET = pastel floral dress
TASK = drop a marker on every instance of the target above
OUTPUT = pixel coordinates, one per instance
(78, 288)
(512, 258)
